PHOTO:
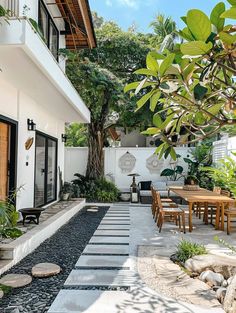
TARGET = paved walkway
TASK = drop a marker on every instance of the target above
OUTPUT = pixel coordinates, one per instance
(105, 278)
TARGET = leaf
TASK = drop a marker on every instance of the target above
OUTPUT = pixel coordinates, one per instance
(188, 161)
(144, 99)
(215, 109)
(152, 63)
(151, 131)
(173, 154)
(154, 99)
(157, 120)
(184, 19)
(140, 86)
(188, 71)
(179, 169)
(131, 86)
(215, 16)
(199, 118)
(232, 2)
(199, 24)
(231, 13)
(166, 63)
(227, 38)
(167, 172)
(186, 34)
(145, 71)
(157, 55)
(199, 92)
(195, 48)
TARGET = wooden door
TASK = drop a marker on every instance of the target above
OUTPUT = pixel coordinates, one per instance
(4, 158)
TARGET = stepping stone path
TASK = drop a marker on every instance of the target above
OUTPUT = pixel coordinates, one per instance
(104, 263)
(15, 280)
(45, 270)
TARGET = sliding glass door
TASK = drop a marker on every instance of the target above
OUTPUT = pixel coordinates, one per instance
(45, 169)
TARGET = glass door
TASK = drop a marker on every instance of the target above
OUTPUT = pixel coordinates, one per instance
(45, 169)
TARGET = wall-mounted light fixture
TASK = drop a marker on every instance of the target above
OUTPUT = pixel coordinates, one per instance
(31, 124)
(63, 137)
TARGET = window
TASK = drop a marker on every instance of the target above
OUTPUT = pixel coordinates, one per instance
(48, 29)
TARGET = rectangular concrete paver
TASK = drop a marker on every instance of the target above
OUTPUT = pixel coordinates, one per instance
(103, 261)
(109, 240)
(83, 277)
(113, 227)
(115, 222)
(119, 218)
(98, 301)
(103, 249)
(114, 232)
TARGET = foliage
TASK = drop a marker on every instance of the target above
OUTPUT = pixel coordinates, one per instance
(191, 180)
(165, 31)
(223, 174)
(187, 249)
(96, 189)
(175, 172)
(194, 84)
(77, 135)
(4, 14)
(201, 156)
(12, 233)
(225, 244)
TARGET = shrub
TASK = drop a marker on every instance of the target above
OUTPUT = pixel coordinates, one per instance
(187, 249)
(12, 233)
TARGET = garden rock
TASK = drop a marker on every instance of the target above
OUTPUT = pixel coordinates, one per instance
(45, 270)
(16, 280)
(1, 294)
(213, 279)
(220, 293)
(216, 263)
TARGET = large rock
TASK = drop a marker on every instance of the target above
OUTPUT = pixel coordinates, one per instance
(45, 270)
(213, 279)
(216, 263)
(16, 280)
(1, 294)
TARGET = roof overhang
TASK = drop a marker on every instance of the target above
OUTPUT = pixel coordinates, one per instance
(79, 30)
(28, 64)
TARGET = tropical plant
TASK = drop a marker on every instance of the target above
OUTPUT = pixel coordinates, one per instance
(223, 174)
(188, 249)
(77, 135)
(165, 31)
(175, 172)
(193, 86)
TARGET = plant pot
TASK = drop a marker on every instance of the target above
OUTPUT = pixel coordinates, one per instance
(65, 196)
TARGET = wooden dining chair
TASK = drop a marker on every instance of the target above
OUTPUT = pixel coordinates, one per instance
(212, 207)
(230, 213)
(173, 212)
(165, 201)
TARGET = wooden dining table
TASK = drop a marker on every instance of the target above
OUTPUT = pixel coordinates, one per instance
(204, 196)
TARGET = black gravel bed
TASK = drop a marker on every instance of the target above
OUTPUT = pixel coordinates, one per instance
(64, 249)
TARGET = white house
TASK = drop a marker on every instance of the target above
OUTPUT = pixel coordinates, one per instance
(36, 97)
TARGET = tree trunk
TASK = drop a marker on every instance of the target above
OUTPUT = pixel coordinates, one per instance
(95, 165)
(229, 301)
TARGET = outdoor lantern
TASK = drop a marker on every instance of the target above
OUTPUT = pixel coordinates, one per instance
(134, 192)
(31, 125)
(63, 137)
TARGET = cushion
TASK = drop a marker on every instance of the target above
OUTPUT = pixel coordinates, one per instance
(175, 183)
(145, 185)
(159, 185)
(145, 193)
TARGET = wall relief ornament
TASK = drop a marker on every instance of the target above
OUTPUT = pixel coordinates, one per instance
(154, 165)
(127, 162)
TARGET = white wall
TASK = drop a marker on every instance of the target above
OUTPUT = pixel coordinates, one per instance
(76, 161)
(18, 106)
(223, 148)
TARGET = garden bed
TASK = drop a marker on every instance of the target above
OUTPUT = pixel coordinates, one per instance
(64, 249)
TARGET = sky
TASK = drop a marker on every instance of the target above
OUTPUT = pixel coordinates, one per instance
(142, 12)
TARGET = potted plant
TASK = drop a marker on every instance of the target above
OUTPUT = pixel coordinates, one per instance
(191, 183)
(66, 191)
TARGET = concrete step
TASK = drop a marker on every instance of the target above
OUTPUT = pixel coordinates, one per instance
(103, 249)
(113, 227)
(114, 232)
(115, 222)
(109, 240)
(96, 261)
(114, 278)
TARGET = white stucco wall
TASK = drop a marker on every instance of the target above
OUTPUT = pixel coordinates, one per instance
(76, 161)
(18, 106)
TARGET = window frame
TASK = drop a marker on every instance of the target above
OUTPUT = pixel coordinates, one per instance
(49, 21)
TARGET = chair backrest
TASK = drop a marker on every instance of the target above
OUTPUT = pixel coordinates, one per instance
(225, 193)
(217, 189)
(158, 199)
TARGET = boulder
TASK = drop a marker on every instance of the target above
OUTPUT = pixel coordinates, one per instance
(16, 280)
(213, 279)
(220, 293)
(45, 270)
(216, 263)
(230, 296)
(1, 294)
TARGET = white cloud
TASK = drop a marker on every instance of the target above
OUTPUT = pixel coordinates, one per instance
(126, 3)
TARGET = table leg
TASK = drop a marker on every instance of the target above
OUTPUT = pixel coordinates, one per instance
(217, 216)
(190, 222)
(222, 216)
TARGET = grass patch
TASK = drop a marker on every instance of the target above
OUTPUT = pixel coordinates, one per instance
(5, 289)
(187, 249)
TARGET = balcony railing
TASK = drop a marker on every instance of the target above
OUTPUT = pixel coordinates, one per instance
(12, 6)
